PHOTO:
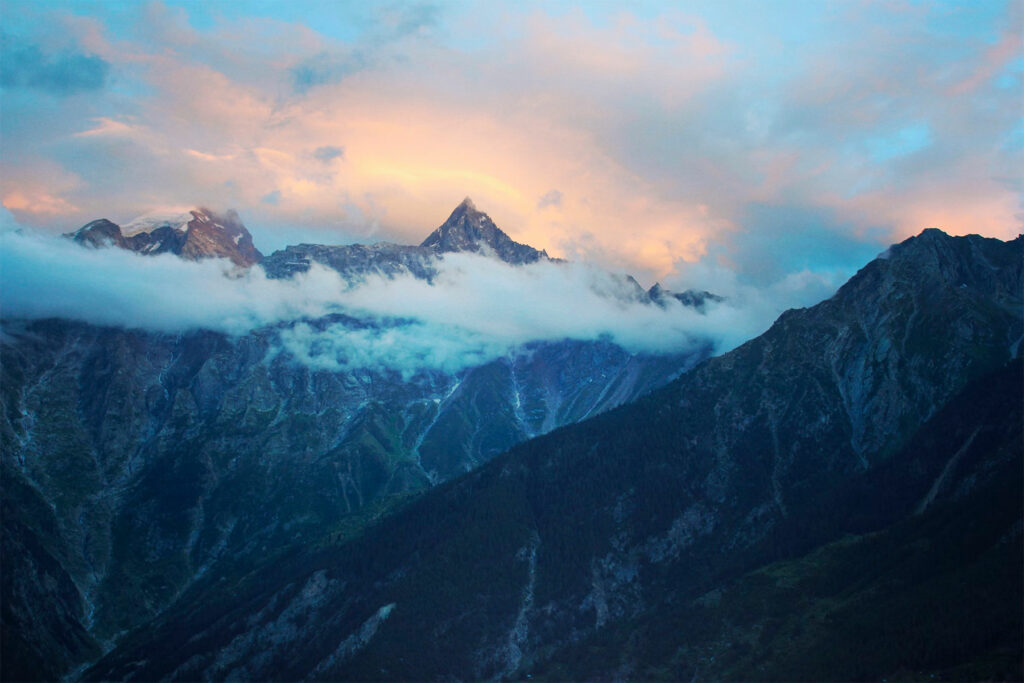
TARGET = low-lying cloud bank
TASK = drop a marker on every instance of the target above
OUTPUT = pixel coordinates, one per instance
(476, 309)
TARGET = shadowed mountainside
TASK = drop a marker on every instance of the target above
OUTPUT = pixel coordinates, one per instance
(135, 463)
(632, 544)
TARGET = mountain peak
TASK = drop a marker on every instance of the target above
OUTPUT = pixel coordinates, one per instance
(210, 234)
(99, 233)
(176, 218)
(470, 230)
(192, 234)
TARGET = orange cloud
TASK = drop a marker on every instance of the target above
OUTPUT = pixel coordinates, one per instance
(654, 132)
(37, 203)
(209, 157)
(108, 126)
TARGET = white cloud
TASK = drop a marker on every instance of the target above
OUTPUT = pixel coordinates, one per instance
(44, 277)
(476, 309)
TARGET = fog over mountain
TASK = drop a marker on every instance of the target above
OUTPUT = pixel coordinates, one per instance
(474, 309)
(719, 378)
(188, 429)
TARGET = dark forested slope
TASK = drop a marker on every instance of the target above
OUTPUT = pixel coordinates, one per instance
(756, 467)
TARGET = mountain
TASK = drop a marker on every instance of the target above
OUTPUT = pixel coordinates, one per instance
(99, 234)
(838, 498)
(136, 464)
(923, 584)
(696, 299)
(470, 230)
(467, 230)
(196, 234)
(353, 261)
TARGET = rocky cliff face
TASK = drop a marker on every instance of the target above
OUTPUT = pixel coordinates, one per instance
(353, 261)
(639, 521)
(136, 464)
(695, 299)
(469, 229)
(195, 235)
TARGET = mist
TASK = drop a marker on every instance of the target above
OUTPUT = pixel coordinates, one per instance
(476, 309)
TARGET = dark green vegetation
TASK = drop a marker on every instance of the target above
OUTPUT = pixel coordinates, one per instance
(838, 498)
(934, 594)
(136, 464)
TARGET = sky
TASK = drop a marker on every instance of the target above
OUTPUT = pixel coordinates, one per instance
(695, 143)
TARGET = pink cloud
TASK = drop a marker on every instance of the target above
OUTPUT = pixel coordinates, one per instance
(36, 202)
(630, 120)
(1009, 47)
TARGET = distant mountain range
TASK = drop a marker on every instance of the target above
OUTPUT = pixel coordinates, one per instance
(201, 233)
(136, 463)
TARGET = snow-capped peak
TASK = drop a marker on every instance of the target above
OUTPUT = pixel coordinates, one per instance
(175, 217)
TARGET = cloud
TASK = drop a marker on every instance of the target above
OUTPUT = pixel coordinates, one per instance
(550, 198)
(398, 21)
(209, 157)
(407, 347)
(8, 222)
(44, 277)
(328, 153)
(325, 68)
(67, 73)
(35, 202)
(663, 130)
(476, 309)
(780, 239)
(110, 127)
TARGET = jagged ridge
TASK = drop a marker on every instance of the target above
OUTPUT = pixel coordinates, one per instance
(204, 234)
(470, 230)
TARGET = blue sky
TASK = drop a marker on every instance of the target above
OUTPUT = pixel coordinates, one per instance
(764, 138)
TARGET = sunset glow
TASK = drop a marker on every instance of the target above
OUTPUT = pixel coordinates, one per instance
(638, 137)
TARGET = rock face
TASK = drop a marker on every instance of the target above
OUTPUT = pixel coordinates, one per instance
(695, 299)
(866, 450)
(663, 298)
(99, 234)
(468, 229)
(196, 235)
(353, 261)
(135, 464)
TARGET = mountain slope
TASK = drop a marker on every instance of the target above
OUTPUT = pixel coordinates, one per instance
(198, 234)
(196, 449)
(925, 579)
(617, 519)
(136, 464)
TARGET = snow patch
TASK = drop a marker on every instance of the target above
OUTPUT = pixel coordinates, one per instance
(175, 217)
